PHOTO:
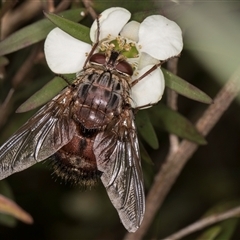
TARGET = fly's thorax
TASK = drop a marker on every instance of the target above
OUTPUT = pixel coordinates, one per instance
(100, 97)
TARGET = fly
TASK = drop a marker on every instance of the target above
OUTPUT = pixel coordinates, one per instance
(88, 132)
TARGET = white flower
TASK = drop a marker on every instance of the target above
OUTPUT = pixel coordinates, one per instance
(156, 38)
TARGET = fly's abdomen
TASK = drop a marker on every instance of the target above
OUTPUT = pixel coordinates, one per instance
(99, 100)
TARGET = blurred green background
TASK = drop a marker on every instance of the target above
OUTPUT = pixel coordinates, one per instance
(211, 33)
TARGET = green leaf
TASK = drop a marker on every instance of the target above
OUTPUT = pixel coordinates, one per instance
(221, 207)
(221, 230)
(46, 93)
(165, 118)
(76, 30)
(34, 33)
(227, 226)
(210, 233)
(184, 88)
(144, 154)
(146, 130)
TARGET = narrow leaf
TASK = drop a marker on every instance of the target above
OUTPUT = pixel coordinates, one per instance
(7, 206)
(144, 154)
(34, 33)
(74, 29)
(165, 118)
(210, 233)
(184, 88)
(46, 93)
(229, 226)
(146, 129)
(5, 189)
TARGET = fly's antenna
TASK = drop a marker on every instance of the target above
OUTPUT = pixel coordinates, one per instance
(95, 44)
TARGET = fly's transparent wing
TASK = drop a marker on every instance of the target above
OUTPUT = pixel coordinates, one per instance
(118, 158)
(46, 132)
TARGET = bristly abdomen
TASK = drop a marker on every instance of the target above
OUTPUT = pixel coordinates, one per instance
(75, 162)
(82, 177)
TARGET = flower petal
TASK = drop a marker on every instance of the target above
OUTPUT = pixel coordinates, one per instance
(64, 53)
(150, 89)
(130, 31)
(111, 22)
(160, 37)
(145, 60)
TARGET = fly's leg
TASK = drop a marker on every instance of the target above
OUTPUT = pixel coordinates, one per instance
(146, 73)
(95, 44)
(151, 70)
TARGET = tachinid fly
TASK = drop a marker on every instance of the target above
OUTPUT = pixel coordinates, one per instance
(88, 131)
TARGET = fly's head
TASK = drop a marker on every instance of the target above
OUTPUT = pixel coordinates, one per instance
(118, 54)
(112, 61)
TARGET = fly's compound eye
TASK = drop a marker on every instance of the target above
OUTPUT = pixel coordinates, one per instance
(124, 67)
(98, 58)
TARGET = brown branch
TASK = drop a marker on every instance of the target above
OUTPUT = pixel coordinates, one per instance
(25, 67)
(175, 162)
(6, 6)
(205, 222)
(17, 17)
(172, 98)
(34, 55)
(49, 6)
(88, 4)
(7, 99)
(63, 5)
(5, 107)
(17, 79)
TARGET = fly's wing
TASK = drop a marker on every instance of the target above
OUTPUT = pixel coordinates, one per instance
(117, 155)
(47, 131)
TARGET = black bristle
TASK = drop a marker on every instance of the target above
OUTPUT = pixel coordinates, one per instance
(74, 176)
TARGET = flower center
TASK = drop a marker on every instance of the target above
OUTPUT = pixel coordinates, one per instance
(126, 47)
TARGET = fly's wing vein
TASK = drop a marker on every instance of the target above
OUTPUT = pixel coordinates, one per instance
(118, 158)
(46, 132)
